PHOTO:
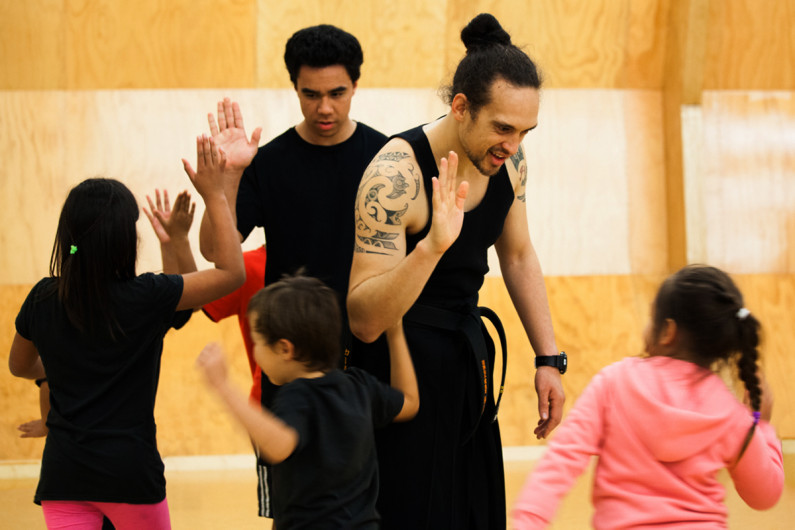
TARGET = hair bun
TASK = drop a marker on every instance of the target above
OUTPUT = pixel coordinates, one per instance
(483, 31)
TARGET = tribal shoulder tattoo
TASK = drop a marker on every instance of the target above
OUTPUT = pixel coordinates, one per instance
(520, 165)
(390, 183)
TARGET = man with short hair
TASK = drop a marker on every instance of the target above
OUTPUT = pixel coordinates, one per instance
(301, 186)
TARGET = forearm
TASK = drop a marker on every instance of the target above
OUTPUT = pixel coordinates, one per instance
(525, 283)
(183, 256)
(402, 375)
(44, 400)
(225, 237)
(274, 438)
(206, 241)
(380, 300)
(759, 474)
(169, 258)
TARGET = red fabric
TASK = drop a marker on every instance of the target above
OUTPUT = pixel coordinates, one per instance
(236, 303)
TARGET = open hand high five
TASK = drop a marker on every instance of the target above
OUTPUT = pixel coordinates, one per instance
(168, 223)
(210, 165)
(448, 205)
(230, 135)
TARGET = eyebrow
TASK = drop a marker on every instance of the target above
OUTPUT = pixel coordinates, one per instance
(310, 92)
(503, 124)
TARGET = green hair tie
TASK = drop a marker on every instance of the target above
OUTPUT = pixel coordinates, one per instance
(73, 249)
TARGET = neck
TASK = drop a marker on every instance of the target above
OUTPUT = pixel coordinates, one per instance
(678, 353)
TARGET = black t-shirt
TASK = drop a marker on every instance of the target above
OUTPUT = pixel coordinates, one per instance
(304, 197)
(101, 445)
(331, 479)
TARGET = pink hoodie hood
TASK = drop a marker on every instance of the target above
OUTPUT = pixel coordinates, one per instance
(678, 398)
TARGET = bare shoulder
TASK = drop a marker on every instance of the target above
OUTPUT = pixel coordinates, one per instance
(386, 203)
(517, 171)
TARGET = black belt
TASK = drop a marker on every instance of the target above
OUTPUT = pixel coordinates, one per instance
(470, 325)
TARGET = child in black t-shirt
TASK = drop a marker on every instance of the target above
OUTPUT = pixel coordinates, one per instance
(94, 328)
(319, 433)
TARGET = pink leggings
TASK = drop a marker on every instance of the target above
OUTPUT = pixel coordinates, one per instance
(87, 515)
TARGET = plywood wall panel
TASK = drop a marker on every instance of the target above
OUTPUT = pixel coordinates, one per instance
(751, 45)
(646, 44)
(577, 44)
(31, 44)
(645, 179)
(32, 178)
(403, 42)
(159, 44)
(595, 176)
(745, 175)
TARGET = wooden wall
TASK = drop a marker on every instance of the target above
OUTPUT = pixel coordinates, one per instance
(667, 133)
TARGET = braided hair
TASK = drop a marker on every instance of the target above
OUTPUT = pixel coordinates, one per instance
(708, 307)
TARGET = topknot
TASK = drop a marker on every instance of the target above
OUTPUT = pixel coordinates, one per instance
(483, 31)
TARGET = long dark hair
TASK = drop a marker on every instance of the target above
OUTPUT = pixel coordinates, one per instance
(96, 244)
(490, 55)
(708, 307)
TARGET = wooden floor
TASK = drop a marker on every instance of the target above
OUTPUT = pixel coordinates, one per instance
(226, 499)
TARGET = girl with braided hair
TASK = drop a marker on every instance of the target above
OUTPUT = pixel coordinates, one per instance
(664, 424)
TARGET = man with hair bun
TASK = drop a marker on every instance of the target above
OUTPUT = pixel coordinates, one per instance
(421, 255)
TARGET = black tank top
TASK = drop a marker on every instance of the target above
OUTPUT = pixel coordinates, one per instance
(455, 282)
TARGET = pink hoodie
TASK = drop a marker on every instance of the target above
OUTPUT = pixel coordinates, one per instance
(662, 429)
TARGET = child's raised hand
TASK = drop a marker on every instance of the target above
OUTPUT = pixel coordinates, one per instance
(212, 364)
(210, 165)
(170, 224)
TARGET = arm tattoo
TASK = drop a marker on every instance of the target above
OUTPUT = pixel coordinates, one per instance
(520, 164)
(382, 201)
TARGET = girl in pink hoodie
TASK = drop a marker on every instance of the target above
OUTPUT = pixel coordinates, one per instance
(664, 425)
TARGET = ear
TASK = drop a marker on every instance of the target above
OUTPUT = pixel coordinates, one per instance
(284, 348)
(668, 332)
(459, 107)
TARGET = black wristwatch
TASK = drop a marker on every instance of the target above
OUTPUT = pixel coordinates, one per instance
(560, 361)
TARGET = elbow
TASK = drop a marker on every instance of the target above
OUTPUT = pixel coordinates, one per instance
(363, 327)
(18, 368)
(239, 277)
(206, 251)
(411, 406)
(15, 369)
(363, 331)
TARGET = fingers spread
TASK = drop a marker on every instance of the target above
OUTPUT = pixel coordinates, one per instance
(238, 116)
(221, 115)
(213, 125)
(229, 114)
